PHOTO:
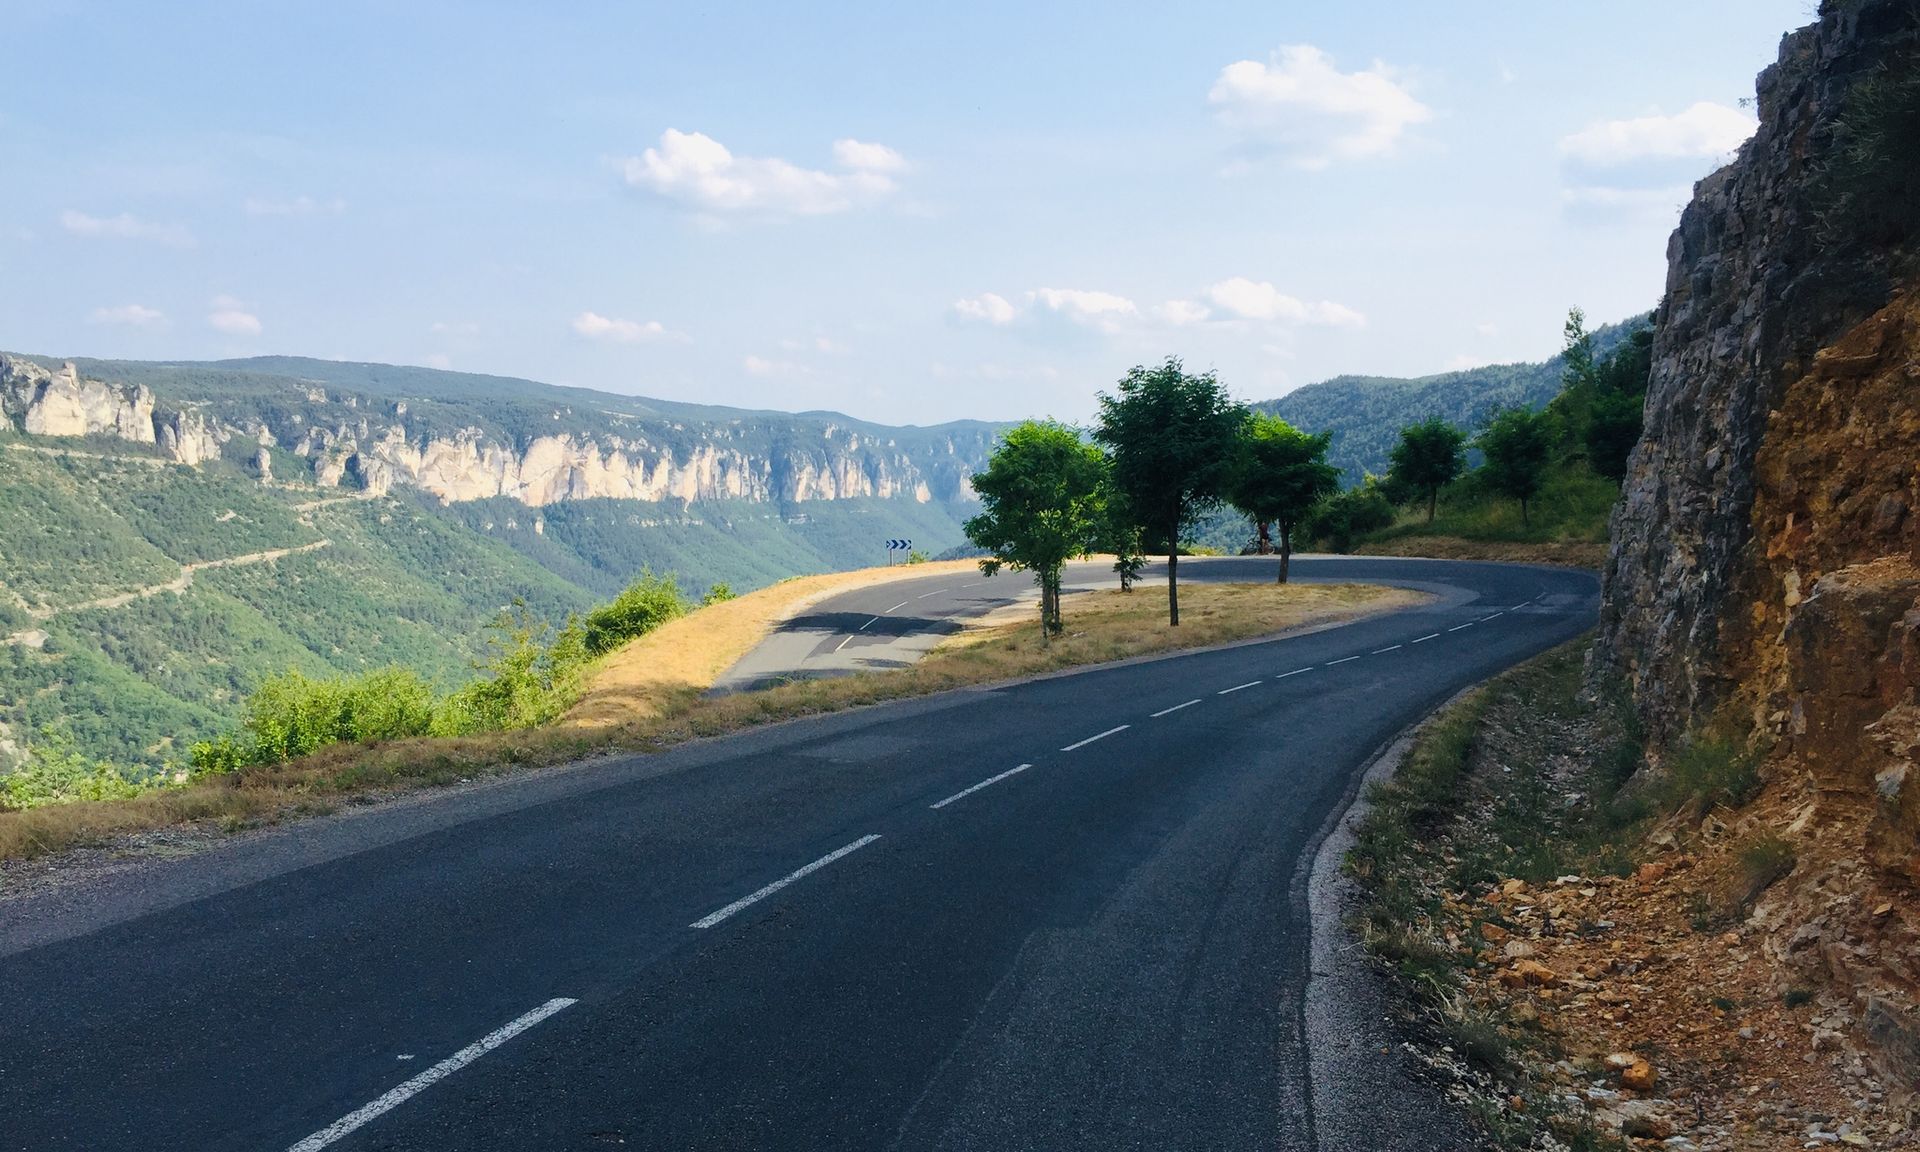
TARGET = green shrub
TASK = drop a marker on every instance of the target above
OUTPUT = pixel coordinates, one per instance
(1708, 771)
(55, 773)
(1343, 517)
(718, 593)
(293, 715)
(646, 604)
(530, 681)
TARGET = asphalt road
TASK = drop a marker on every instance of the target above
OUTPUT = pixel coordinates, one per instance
(1059, 914)
(890, 625)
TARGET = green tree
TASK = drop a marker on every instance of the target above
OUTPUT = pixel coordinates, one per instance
(642, 606)
(1427, 458)
(1518, 443)
(1173, 438)
(1040, 506)
(1283, 472)
(1619, 405)
(1341, 517)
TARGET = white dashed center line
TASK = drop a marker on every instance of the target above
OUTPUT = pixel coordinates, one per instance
(713, 918)
(897, 607)
(1388, 648)
(1175, 708)
(1342, 660)
(1457, 628)
(1101, 736)
(1295, 672)
(1427, 637)
(1236, 687)
(935, 592)
(864, 627)
(427, 1079)
(982, 784)
(844, 640)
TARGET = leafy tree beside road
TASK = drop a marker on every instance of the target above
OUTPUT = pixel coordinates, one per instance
(1041, 506)
(1173, 439)
(1518, 444)
(1282, 473)
(1428, 457)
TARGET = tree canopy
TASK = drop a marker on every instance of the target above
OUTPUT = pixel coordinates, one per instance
(1428, 457)
(1282, 473)
(1518, 443)
(1040, 498)
(1173, 438)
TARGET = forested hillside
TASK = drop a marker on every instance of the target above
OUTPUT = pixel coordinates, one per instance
(1366, 413)
(173, 534)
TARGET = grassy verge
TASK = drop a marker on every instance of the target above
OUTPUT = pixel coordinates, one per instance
(630, 708)
(1566, 524)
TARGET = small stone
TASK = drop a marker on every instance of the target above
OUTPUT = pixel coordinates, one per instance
(1646, 1127)
(1513, 887)
(1492, 933)
(1639, 1076)
(1651, 871)
(1883, 908)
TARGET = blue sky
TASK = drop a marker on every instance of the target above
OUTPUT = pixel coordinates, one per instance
(909, 213)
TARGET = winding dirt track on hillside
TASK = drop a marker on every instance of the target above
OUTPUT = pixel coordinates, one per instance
(179, 583)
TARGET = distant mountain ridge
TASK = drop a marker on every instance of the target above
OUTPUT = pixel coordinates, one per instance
(1366, 413)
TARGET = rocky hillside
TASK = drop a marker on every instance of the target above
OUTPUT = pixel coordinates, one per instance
(460, 437)
(1764, 580)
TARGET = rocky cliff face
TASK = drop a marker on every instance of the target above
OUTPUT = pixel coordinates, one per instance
(1755, 288)
(813, 460)
(1764, 578)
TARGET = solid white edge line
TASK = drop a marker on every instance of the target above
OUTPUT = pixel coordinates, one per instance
(427, 1079)
(1237, 687)
(982, 784)
(1175, 708)
(1342, 660)
(1424, 639)
(1101, 736)
(1295, 672)
(1383, 651)
(897, 607)
(868, 624)
(713, 918)
(1468, 624)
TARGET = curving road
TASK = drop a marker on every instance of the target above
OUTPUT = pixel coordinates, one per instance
(1066, 913)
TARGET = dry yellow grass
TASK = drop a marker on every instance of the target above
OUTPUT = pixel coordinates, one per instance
(1566, 553)
(656, 711)
(687, 655)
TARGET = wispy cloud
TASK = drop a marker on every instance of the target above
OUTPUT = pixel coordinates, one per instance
(233, 317)
(1260, 300)
(698, 172)
(1704, 131)
(128, 316)
(1298, 105)
(125, 226)
(594, 326)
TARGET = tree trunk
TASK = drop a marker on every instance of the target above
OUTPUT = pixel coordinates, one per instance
(1173, 584)
(1524, 522)
(1433, 497)
(1286, 550)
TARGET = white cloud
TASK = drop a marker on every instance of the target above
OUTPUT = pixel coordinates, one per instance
(1102, 310)
(125, 226)
(699, 172)
(762, 366)
(865, 157)
(298, 206)
(1181, 313)
(1259, 300)
(1704, 131)
(1300, 105)
(987, 308)
(594, 326)
(128, 315)
(232, 317)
